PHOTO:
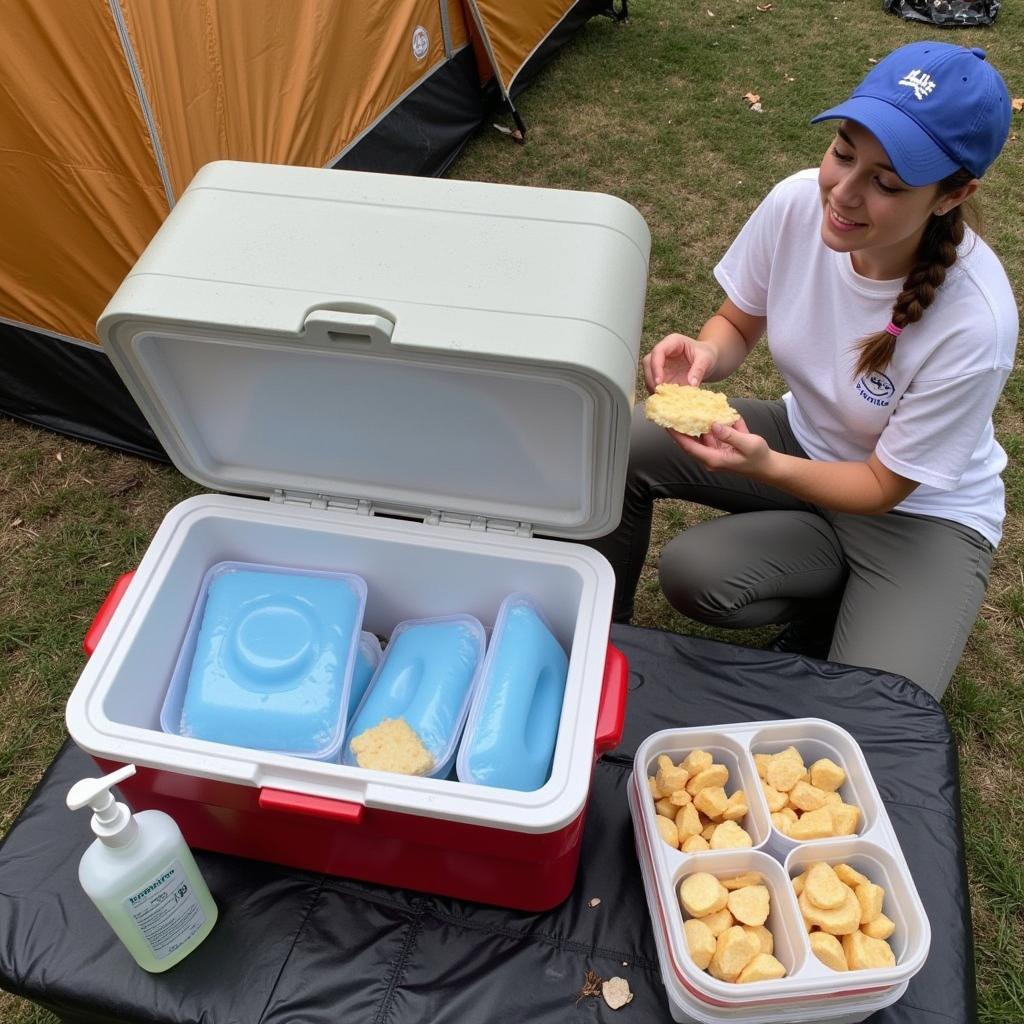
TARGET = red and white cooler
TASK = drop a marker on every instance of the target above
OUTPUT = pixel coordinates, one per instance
(402, 378)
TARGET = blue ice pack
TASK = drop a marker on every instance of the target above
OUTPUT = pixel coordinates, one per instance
(426, 678)
(513, 724)
(273, 660)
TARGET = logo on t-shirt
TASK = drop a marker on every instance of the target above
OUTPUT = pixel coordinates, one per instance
(876, 388)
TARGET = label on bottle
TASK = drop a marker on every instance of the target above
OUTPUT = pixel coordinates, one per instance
(166, 911)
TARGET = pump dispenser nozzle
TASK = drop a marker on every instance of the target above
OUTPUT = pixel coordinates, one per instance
(112, 821)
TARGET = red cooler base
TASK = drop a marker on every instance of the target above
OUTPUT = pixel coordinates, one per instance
(524, 871)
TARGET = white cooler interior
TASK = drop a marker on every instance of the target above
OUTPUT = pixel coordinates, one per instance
(411, 570)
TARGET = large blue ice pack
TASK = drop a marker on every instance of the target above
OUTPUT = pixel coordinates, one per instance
(513, 724)
(273, 660)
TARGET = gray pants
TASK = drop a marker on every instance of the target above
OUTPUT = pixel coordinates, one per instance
(906, 588)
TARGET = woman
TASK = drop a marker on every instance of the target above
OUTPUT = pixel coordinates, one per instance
(870, 494)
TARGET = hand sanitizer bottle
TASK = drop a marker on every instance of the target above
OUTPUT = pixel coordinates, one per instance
(142, 877)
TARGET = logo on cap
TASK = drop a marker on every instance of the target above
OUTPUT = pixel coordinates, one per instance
(923, 85)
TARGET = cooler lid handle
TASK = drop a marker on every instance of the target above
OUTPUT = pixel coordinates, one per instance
(343, 811)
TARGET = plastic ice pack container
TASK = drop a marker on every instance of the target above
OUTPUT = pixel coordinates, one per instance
(513, 720)
(267, 660)
(810, 991)
(426, 677)
(368, 655)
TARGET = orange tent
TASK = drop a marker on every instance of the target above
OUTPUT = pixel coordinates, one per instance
(108, 107)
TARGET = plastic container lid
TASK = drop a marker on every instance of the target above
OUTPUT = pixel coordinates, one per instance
(373, 337)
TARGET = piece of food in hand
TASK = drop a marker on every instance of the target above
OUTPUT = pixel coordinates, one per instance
(687, 409)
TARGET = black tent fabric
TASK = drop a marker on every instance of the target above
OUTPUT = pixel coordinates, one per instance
(298, 948)
(946, 13)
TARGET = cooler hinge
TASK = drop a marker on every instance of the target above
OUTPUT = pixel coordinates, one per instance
(313, 500)
(479, 523)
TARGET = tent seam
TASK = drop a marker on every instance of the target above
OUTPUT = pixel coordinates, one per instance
(140, 91)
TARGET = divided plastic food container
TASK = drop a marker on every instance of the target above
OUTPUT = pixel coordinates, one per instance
(404, 379)
(810, 991)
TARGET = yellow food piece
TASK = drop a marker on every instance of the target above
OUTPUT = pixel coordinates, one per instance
(700, 942)
(750, 904)
(829, 950)
(712, 801)
(776, 800)
(392, 746)
(763, 936)
(688, 409)
(790, 752)
(848, 875)
(798, 883)
(812, 825)
(688, 822)
(652, 784)
(833, 799)
(761, 763)
(880, 928)
(864, 953)
(764, 967)
(739, 881)
(734, 949)
(671, 778)
(709, 830)
(870, 897)
(695, 844)
(827, 775)
(805, 797)
(719, 921)
(664, 761)
(665, 808)
(696, 761)
(680, 798)
(783, 773)
(730, 836)
(845, 819)
(737, 807)
(823, 887)
(667, 830)
(716, 775)
(701, 894)
(841, 921)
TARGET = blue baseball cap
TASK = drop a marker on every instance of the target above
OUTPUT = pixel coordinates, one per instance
(934, 107)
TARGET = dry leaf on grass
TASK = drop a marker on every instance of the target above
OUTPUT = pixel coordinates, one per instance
(17, 522)
(59, 457)
(752, 97)
(1017, 103)
(872, 60)
(616, 992)
(765, 7)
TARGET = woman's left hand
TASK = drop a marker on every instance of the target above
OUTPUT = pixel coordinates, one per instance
(733, 449)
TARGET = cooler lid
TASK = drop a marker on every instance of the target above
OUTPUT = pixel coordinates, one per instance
(430, 347)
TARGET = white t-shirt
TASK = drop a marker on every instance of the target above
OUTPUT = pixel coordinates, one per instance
(928, 416)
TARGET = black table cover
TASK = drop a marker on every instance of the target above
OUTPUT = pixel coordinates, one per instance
(300, 948)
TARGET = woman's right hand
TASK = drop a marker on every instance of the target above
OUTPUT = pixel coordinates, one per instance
(677, 359)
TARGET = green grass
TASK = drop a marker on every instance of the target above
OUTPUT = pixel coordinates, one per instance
(652, 112)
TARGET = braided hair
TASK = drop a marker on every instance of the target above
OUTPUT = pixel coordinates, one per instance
(935, 255)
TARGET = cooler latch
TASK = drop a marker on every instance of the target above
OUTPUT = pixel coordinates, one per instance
(478, 523)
